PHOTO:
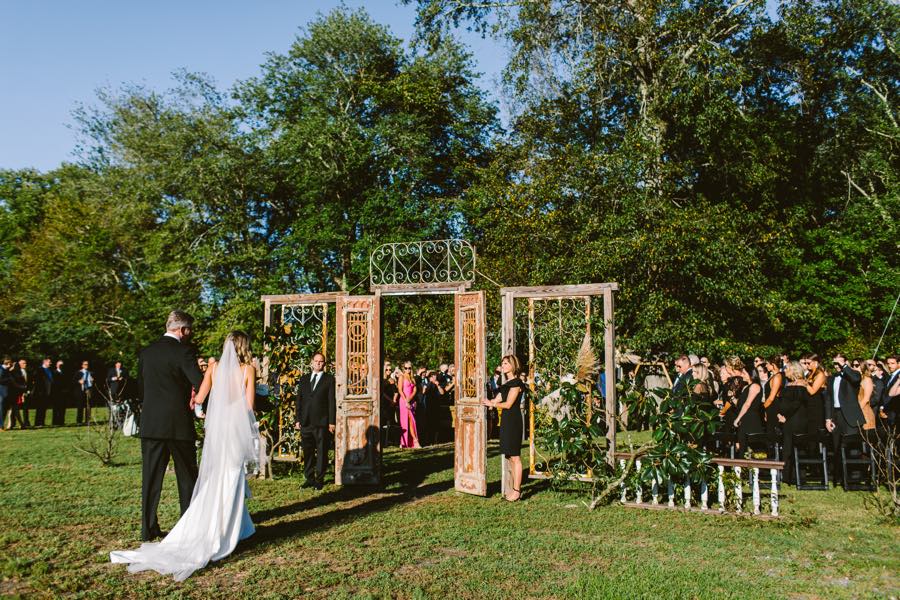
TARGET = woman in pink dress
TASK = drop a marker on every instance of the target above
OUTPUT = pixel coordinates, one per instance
(409, 435)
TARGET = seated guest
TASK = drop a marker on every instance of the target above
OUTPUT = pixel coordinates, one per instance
(683, 368)
(792, 414)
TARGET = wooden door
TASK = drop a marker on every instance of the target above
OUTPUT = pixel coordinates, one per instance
(471, 415)
(357, 441)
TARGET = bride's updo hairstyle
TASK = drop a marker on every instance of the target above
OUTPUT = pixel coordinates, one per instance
(241, 343)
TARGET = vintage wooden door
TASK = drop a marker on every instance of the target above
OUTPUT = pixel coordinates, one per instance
(471, 415)
(357, 440)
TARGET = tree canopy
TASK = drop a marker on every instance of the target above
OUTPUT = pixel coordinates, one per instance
(734, 171)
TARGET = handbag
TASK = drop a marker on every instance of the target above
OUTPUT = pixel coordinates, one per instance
(130, 427)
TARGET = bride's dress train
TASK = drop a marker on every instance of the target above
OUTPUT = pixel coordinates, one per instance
(217, 518)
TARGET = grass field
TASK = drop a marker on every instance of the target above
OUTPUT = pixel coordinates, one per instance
(61, 513)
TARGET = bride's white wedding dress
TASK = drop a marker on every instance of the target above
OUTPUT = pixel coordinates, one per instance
(217, 518)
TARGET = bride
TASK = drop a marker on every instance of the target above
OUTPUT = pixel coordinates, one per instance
(217, 518)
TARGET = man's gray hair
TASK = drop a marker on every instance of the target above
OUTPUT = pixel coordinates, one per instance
(178, 319)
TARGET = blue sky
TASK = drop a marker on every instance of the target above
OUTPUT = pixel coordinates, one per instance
(55, 54)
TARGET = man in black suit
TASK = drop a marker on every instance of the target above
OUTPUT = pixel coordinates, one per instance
(315, 412)
(685, 374)
(43, 391)
(115, 381)
(167, 371)
(60, 394)
(23, 386)
(842, 412)
(888, 404)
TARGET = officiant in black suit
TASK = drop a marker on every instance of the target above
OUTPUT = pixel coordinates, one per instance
(167, 371)
(116, 377)
(315, 412)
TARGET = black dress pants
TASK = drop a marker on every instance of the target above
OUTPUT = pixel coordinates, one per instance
(314, 441)
(84, 406)
(40, 410)
(156, 455)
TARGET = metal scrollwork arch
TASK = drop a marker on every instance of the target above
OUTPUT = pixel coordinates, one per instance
(431, 262)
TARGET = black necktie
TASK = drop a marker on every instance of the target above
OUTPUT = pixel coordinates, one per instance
(315, 380)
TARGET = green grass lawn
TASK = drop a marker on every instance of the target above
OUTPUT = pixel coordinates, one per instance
(61, 513)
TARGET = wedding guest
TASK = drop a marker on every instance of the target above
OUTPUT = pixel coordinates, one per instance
(434, 395)
(61, 392)
(85, 380)
(316, 416)
(409, 433)
(511, 425)
(23, 386)
(866, 390)
(683, 368)
(878, 382)
(792, 414)
(6, 390)
(890, 397)
(749, 417)
(702, 391)
(842, 413)
(450, 386)
(772, 395)
(389, 397)
(115, 380)
(815, 384)
(43, 391)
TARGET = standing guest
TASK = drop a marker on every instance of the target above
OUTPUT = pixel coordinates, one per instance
(316, 415)
(389, 395)
(23, 386)
(771, 398)
(511, 426)
(815, 384)
(493, 388)
(115, 380)
(749, 417)
(60, 393)
(434, 395)
(43, 391)
(866, 390)
(702, 391)
(6, 390)
(890, 397)
(424, 413)
(785, 359)
(683, 367)
(409, 433)
(878, 383)
(842, 413)
(450, 386)
(85, 380)
(792, 414)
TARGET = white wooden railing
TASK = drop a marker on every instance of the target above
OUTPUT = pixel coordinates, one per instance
(700, 500)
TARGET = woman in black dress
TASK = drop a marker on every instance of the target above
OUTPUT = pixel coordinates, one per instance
(510, 396)
(792, 414)
(749, 418)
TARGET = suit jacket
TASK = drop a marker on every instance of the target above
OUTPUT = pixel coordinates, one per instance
(6, 383)
(43, 384)
(847, 397)
(886, 401)
(167, 370)
(316, 408)
(681, 383)
(116, 387)
(20, 385)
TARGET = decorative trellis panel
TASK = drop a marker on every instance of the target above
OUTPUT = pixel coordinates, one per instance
(357, 437)
(422, 266)
(471, 417)
(553, 320)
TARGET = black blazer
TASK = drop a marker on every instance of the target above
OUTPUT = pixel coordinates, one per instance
(847, 397)
(43, 385)
(116, 387)
(316, 408)
(19, 384)
(167, 370)
(6, 383)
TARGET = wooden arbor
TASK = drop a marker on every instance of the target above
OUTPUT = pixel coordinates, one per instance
(421, 268)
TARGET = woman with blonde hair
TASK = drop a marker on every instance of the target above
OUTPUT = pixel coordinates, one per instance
(511, 426)
(791, 414)
(217, 518)
(866, 385)
(409, 433)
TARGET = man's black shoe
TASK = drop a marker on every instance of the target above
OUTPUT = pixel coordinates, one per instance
(308, 484)
(318, 486)
(158, 534)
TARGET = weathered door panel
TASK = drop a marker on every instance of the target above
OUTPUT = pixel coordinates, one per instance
(471, 416)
